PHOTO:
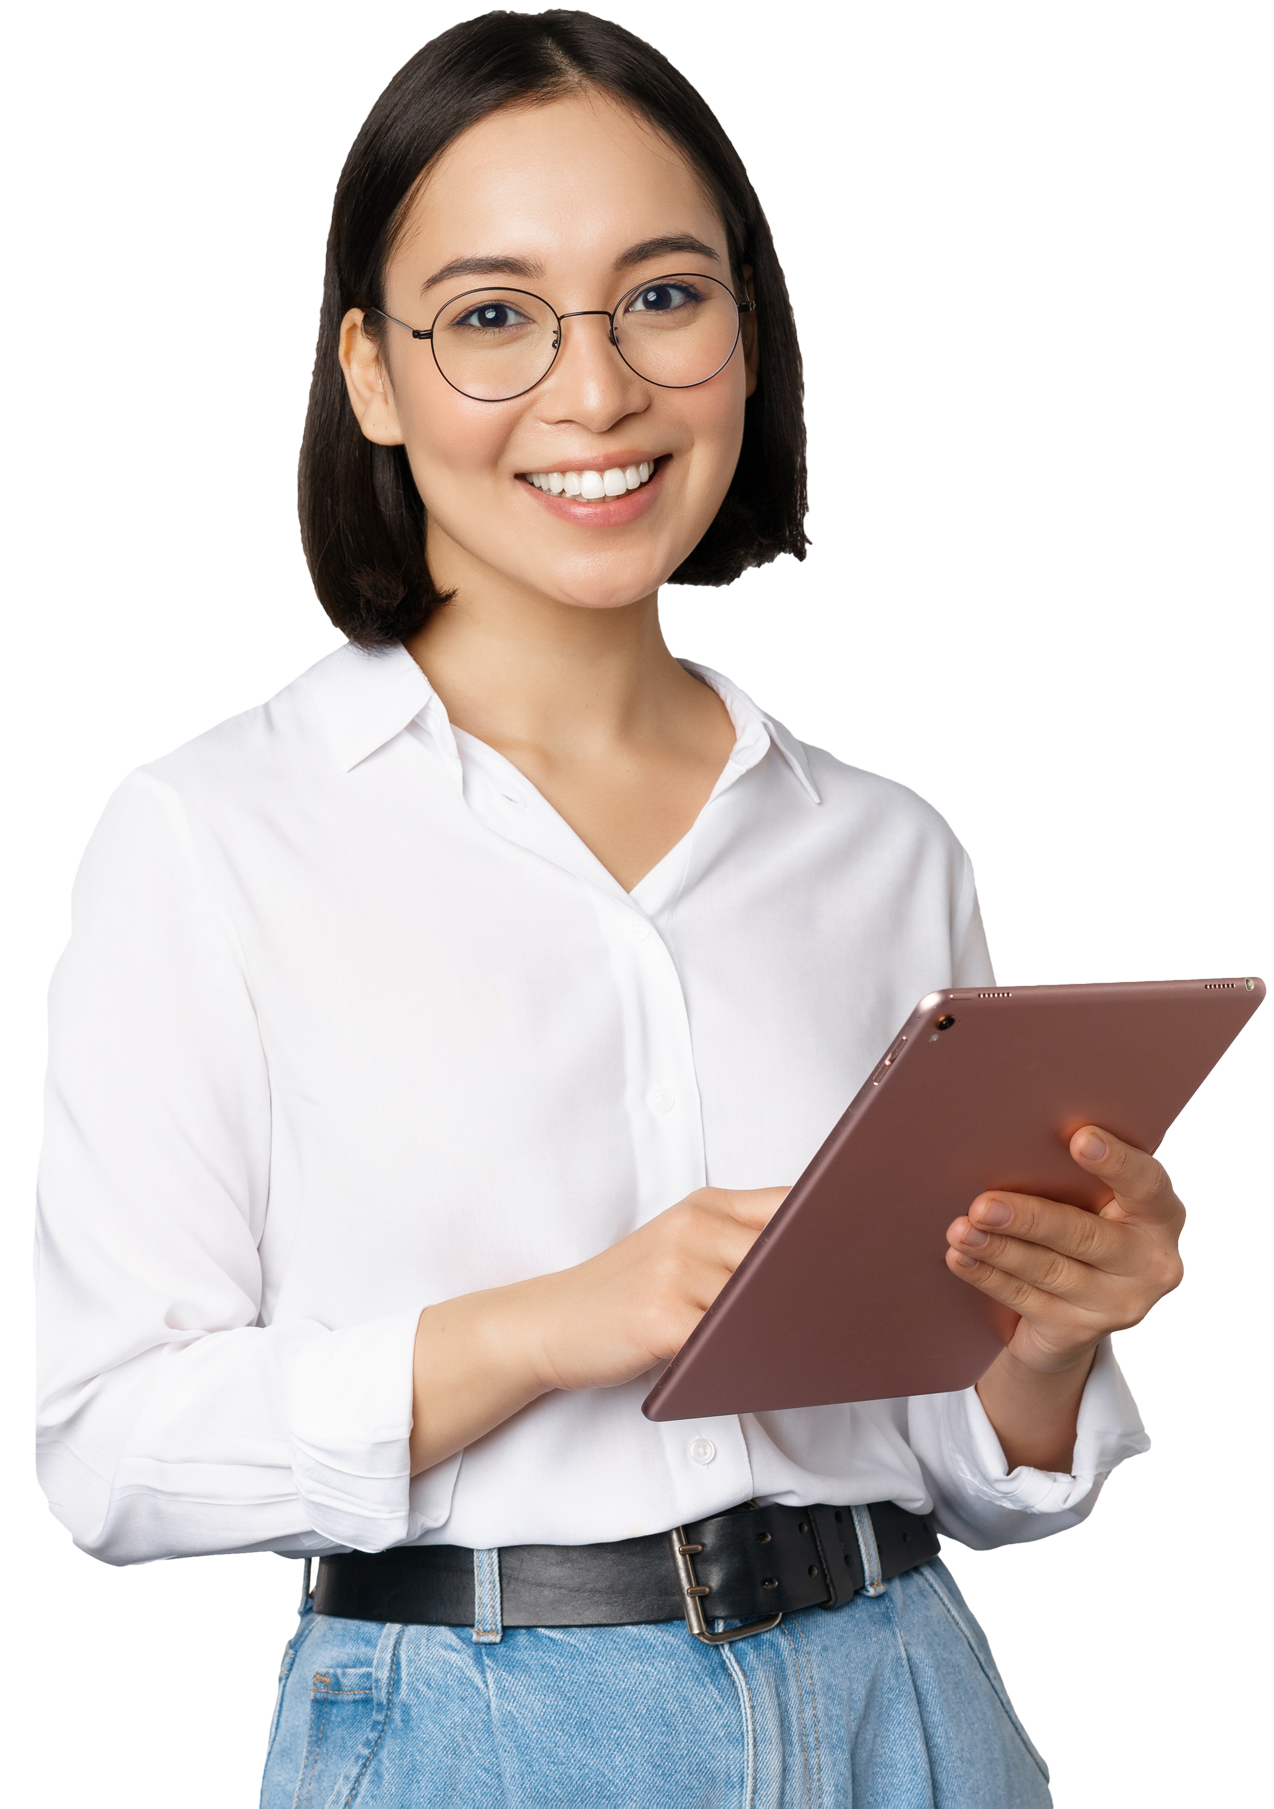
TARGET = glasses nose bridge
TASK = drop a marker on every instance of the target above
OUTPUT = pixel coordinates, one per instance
(584, 314)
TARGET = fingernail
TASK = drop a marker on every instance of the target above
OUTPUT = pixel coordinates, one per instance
(974, 1238)
(1092, 1149)
(966, 1262)
(993, 1212)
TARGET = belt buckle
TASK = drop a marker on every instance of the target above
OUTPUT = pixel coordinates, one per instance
(684, 1552)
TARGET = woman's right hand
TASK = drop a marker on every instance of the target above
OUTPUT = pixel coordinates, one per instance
(618, 1314)
(482, 1357)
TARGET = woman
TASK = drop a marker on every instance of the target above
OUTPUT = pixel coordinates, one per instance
(433, 1041)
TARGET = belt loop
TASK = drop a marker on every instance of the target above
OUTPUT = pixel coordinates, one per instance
(307, 1594)
(488, 1609)
(872, 1584)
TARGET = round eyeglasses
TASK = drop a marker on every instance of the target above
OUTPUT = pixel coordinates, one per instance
(496, 344)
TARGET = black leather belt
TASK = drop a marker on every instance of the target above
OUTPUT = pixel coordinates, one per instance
(752, 1564)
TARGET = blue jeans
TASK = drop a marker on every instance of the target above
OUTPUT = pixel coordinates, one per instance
(889, 1702)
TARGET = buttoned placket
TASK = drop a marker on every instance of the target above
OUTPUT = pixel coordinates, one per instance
(704, 1456)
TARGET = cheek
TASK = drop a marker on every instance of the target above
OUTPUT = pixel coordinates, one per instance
(714, 415)
(446, 432)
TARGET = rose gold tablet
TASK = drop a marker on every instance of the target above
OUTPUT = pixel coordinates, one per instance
(846, 1295)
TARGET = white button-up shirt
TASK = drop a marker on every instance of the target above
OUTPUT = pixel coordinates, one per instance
(351, 1022)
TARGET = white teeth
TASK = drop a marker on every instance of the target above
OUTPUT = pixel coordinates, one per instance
(593, 485)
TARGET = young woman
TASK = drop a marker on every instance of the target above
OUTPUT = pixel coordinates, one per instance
(434, 1041)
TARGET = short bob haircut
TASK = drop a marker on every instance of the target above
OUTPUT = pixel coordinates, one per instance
(362, 518)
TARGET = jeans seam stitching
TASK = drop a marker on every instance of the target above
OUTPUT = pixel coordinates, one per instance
(749, 1721)
(285, 1673)
(958, 1619)
(384, 1722)
(809, 1672)
(313, 1740)
(800, 1704)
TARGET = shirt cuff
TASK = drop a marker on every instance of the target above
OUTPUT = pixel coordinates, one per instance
(1109, 1430)
(351, 1429)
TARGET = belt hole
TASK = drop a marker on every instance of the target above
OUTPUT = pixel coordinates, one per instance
(839, 1516)
(763, 1538)
(847, 1557)
(769, 1582)
(801, 1527)
(813, 1570)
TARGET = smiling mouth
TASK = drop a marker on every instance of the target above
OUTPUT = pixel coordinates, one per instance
(593, 486)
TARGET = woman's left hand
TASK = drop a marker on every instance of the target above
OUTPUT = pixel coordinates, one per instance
(1073, 1276)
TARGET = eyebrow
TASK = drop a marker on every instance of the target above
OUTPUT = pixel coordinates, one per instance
(499, 266)
(640, 253)
(657, 248)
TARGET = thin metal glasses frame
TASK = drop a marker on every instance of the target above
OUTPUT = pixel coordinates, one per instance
(651, 282)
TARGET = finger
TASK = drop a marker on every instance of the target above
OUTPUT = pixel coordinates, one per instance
(754, 1206)
(1084, 1236)
(1047, 1270)
(1030, 1302)
(1139, 1183)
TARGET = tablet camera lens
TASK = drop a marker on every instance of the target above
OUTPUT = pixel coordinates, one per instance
(945, 1023)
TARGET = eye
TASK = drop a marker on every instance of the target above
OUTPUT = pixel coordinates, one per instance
(492, 317)
(663, 298)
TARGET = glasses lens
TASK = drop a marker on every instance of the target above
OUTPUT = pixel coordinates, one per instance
(494, 343)
(678, 330)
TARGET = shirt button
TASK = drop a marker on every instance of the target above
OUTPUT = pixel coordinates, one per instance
(702, 1450)
(661, 1099)
(638, 928)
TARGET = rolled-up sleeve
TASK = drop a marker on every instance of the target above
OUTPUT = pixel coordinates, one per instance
(980, 1501)
(173, 1421)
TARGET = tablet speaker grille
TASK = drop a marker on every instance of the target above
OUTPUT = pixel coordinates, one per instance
(999, 992)
(1219, 985)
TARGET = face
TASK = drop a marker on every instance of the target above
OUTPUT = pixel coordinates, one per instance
(580, 203)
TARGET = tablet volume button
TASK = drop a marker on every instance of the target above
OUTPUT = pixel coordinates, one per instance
(888, 1062)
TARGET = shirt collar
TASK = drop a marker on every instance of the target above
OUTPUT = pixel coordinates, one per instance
(366, 698)
(755, 733)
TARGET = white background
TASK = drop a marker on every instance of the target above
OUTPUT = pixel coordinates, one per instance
(1029, 249)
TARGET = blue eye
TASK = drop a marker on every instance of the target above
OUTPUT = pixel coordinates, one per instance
(663, 298)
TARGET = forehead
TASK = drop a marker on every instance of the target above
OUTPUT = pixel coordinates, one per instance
(566, 185)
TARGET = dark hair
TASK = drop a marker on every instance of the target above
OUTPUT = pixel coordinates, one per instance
(362, 518)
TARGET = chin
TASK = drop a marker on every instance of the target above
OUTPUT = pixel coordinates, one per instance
(604, 589)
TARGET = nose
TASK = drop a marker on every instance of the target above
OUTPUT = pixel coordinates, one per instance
(590, 384)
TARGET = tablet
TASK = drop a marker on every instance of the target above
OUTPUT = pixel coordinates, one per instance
(846, 1295)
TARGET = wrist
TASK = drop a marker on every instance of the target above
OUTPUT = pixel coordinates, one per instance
(516, 1334)
(1031, 1359)
(473, 1367)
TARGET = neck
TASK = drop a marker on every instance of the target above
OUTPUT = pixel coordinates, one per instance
(521, 670)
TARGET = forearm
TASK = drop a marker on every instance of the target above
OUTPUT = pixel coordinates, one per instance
(473, 1367)
(480, 1358)
(1035, 1413)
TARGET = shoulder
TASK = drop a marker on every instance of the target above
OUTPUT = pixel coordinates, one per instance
(285, 733)
(850, 801)
(851, 790)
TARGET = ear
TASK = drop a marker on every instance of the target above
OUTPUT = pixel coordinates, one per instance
(751, 342)
(367, 381)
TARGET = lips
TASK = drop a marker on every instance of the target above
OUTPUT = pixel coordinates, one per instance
(591, 485)
(604, 498)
